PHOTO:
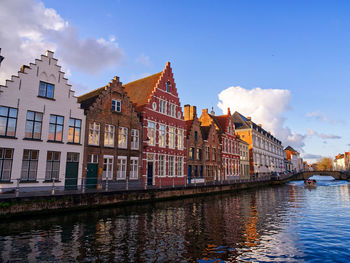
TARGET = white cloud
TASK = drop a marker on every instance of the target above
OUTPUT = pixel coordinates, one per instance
(322, 135)
(322, 117)
(144, 60)
(266, 107)
(312, 156)
(29, 29)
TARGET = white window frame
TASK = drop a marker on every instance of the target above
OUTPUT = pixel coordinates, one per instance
(171, 166)
(163, 106)
(94, 130)
(121, 167)
(134, 168)
(162, 135)
(109, 135)
(180, 139)
(151, 133)
(135, 139)
(180, 166)
(117, 107)
(161, 165)
(92, 158)
(171, 137)
(123, 137)
(108, 172)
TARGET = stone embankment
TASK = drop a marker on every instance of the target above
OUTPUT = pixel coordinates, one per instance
(33, 205)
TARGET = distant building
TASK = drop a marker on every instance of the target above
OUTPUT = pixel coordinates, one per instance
(339, 163)
(265, 151)
(293, 157)
(41, 131)
(244, 159)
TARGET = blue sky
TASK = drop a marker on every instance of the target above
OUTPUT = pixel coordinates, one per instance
(298, 46)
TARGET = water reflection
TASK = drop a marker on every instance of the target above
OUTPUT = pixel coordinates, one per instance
(269, 224)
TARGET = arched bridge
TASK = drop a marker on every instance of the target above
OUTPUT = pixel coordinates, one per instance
(338, 175)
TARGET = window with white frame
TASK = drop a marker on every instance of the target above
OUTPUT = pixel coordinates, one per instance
(180, 139)
(116, 105)
(171, 137)
(161, 165)
(180, 164)
(94, 133)
(161, 135)
(207, 154)
(29, 165)
(171, 165)
(92, 158)
(123, 137)
(52, 165)
(6, 159)
(151, 133)
(213, 152)
(121, 167)
(162, 106)
(107, 167)
(109, 135)
(134, 139)
(134, 163)
(172, 110)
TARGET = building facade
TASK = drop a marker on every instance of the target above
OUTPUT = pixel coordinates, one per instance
(41, 124)
(244, 159)
(229, 154)
(112, 138)
(195, 146)
(164, 146)
(265, 151)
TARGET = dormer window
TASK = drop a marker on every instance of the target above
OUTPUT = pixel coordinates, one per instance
(46, 90)
(116, 105)
(168, 86)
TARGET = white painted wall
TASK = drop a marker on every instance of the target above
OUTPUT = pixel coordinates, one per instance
(22, 92)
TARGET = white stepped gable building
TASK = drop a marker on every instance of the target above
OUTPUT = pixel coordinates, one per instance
(41, 129)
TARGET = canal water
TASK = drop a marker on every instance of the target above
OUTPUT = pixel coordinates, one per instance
(288, 223)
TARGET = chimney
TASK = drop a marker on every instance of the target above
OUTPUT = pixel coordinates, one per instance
(249, 118)
(228, 111)
(190, 112)
(260, 125)
(205, 111)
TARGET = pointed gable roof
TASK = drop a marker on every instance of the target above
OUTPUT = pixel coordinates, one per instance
(139, 91)
(240, 121)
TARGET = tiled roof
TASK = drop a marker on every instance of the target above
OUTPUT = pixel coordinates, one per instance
(289, 148)
(240, 121)
(222, 120)
(139, 91)
(91, 94)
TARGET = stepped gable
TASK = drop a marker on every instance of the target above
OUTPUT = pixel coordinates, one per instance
(188, 127)
(205, 132)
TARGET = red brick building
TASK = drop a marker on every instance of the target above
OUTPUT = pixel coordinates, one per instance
(164, 148)
(230, 158)
(195, 146)
(112, 148)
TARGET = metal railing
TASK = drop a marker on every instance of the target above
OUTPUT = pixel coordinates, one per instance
(44, 187)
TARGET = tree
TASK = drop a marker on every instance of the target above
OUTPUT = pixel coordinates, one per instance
(325, 164)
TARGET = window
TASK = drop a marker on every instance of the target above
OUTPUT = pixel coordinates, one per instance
(116, 105)
(52, 165)
(191, 153)
(33, 125)
(107, 167)
(123, 137)
(6, 158)
(8, 121)
(94, 133)
(199, 154)
(195, 136)
(180, 164)
(180, 139)
(172, 110)
(171, 137)
(92, 158)
(162, 106)
(74, 130)
(135, 139)
(151, 133)
(171, 166)
(134, 167)
(213, 152)
(168, 86)
(109, 135)
(207, 154)
(72, 157)
(29, 165)
(161, 165)
(46, 90)
(161, 135)
(56, 128)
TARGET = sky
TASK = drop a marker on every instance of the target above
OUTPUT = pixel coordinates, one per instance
(283, 63)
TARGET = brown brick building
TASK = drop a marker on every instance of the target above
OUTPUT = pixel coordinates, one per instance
(113, 137)
(195, 146)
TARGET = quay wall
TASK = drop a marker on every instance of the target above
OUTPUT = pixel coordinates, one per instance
(34, 205)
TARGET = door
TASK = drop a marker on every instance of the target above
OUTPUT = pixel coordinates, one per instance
(149, 173)
(189, 173)
(72, 168)
(91, 176)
